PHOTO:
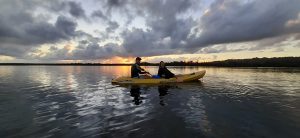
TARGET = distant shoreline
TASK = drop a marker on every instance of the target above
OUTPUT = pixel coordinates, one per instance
(253, 62)
(61, 64)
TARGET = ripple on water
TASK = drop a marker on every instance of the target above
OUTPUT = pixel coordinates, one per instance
(81, 102)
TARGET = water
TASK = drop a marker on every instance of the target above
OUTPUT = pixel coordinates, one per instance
(80, 101)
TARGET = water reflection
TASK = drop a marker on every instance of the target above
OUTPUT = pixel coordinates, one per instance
(163, 90)
(6, 71)
(81, 102)
(135, 92)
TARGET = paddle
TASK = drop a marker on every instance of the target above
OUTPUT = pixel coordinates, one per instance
(148, 73)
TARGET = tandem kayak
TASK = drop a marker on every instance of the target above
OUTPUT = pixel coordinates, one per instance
(180, 78)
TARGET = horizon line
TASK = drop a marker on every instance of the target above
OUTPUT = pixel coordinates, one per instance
(169, 62)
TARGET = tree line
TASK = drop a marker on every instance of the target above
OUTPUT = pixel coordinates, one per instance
(253, 62)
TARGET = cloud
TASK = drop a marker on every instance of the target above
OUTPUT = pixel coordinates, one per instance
(146, 28)
(95, 51)
(99, 14)
(63, 7)
(23, 28)
(238, 21)
(85, 51)
(166, 31)
(169, 32)
(279, 43)
(112, 25)
(113, 3)
(76, 10)
(145, 43)
(56, 54)
(66, 26)
(31, 33)
(228, 21)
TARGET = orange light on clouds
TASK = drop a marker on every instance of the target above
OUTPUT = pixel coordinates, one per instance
(123, 60)
(69, 47)
(113, 60)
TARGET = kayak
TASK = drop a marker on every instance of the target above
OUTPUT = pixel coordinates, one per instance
(180, 78)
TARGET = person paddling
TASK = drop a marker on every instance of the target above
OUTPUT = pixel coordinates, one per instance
(136, 70)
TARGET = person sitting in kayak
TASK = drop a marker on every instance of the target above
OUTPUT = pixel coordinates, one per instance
(136, 70)
(163, 72)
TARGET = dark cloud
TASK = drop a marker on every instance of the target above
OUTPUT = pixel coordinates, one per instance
(13, 50)
(106, 19)
(85, 51)
(226, 22)
(239, 21)
(21, 30)
(167, 32)
(99, 14)
(109, 32)
(76, 10)
(57, 54)
(61, 7)
(95, 51)
(139, 43)
(145, 43)
(112, 25)
(66, 26)
(270, 42)
(83, 42)
(53, 48)
(164, 16)
(113, 3)
(32, 32)
(278, 43)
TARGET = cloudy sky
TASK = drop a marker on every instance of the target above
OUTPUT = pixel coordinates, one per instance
(118, 30)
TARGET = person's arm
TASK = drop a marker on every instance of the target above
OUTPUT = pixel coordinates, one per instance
(141, 70)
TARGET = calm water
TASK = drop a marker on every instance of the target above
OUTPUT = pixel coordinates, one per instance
(80, 101)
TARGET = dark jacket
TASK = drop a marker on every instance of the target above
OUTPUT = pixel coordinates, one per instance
(136, 70)
(165, 73)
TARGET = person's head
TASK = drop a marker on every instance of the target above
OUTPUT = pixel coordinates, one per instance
(161, 64)
(138, 60)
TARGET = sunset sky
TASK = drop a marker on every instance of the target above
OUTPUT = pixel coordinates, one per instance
(116, 31)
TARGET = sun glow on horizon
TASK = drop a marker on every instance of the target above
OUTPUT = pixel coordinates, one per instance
(6, 58)
(122, 60)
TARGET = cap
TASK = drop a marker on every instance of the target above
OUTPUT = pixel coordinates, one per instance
(138, 58)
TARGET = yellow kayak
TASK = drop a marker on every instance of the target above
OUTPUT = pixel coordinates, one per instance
(180, 78)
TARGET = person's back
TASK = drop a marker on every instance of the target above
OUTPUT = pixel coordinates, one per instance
(163, 72)
(134, 71)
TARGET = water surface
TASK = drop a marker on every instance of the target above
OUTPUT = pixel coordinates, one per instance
(80, 101)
